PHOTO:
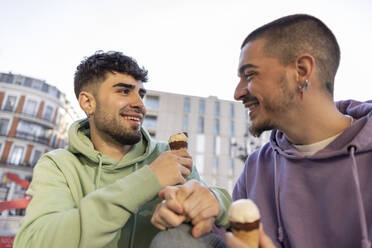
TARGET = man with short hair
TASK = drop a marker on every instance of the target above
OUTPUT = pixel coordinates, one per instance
(312, 181)
(102, 190)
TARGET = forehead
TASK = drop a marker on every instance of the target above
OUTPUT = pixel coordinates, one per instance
(251, 52)
(113, 78)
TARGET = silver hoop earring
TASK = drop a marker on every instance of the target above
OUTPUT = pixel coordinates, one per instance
(304, 86)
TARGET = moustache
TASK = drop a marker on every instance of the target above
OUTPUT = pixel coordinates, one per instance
(137, 110)
(249, 98)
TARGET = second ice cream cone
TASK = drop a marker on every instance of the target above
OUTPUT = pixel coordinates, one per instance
(248, 237)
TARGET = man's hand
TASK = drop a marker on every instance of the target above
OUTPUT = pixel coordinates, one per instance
(234, 242)
(197, 203)
(168, 213)
(172, 167)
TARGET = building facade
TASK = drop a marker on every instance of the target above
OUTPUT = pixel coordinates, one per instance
(34, 117)
(217, 130)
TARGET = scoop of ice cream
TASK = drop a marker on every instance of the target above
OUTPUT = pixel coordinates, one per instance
(243, 211)
(178, 137)
(178, 141)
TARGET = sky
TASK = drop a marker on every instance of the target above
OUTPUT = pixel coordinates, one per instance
(189, 47)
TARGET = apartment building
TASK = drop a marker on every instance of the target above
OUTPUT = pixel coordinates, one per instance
(217, 129)
(34, 118)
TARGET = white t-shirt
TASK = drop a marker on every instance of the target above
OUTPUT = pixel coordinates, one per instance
(308, 150)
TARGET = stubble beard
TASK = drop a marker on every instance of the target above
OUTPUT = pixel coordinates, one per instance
(274, 106)
(110, 127)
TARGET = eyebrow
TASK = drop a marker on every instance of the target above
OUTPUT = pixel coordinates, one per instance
(246, 66)
(130, 86)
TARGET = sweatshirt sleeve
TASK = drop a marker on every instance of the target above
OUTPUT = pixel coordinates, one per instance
(223, 198)
(53, 218)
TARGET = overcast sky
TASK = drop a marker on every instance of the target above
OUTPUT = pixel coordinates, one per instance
(189, 47)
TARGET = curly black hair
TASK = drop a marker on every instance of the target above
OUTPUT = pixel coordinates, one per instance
(93, 69)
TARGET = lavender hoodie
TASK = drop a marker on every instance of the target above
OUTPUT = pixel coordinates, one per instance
(323, 200)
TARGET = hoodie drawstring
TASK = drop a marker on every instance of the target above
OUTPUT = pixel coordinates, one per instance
(276, 184)
(131, 243)
(362, 216)
(98, 177)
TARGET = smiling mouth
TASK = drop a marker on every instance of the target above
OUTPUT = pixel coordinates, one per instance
(252, 106)
(132, 118)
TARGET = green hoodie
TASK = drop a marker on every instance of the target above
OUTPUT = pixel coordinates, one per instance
(83, 198)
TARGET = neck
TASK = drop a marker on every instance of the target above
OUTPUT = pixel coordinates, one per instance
(107, 145)
(318, 120)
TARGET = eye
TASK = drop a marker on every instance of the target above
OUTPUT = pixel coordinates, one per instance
(125, 91)
(142, 95)
(249, 75)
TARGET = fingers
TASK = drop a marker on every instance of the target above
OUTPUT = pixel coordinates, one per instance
(203, 227)
(264, 240)
(197, 201)
(186, 162)
(168, 192)
(164, 217)
(185, 172)
(234, 242)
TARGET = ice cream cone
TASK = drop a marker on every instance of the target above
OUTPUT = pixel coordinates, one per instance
(248, 237)
(244, 218)
(178, 141)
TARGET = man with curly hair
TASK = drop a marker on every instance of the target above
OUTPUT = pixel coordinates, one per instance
(102, 190)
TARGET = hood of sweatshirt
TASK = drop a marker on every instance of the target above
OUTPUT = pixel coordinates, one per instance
(81, 145)
(353, 141)
(357, 135)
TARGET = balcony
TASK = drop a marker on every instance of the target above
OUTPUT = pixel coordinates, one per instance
(32, 137)
(8, 108)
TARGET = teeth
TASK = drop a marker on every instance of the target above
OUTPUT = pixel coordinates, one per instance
(131, 118)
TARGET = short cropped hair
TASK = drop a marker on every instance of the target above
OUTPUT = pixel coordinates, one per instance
(289, 36)
(93, 69)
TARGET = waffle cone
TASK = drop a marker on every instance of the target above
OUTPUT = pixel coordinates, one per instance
(248, 237)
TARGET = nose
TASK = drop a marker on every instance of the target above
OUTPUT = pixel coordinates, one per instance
(138, 103)
(241, 90)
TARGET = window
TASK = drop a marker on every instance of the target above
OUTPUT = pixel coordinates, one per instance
(4, 126)
(232, 128)
(232, 166)
(152, 102)
(216, 145)
(217, 108)
(7, 78)
(215, 162)
(32, 131)
(16, 155)
(232, 145)
(201, 124)
(185, 123)
(216, 126)
(10, 103)
(28, 82)
(200, 163)
(150, 121)
(186, 105)
(48, 113)
(37, 84)
(37, 155)
(30, 107)
(202, 106)
(230, 186)
(54, 91)
(200, 143)
(246, 129)
(232, 110)
(45, 87)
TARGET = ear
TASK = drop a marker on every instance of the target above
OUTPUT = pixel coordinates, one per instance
(305, 64)
(87, 102)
